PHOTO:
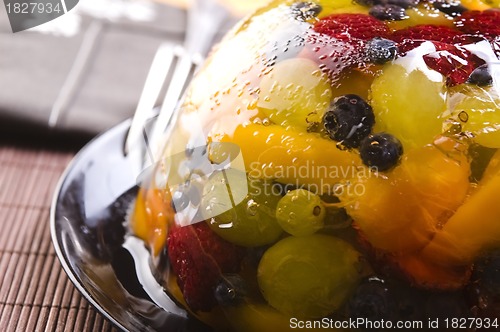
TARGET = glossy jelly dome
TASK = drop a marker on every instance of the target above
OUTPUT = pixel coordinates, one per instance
(337, 159)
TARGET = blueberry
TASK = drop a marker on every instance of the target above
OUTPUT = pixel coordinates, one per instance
(304, 11)
(380, 50)
(348, 120)
(372, 300)
(388, 12)
(481, 76)
(230, 290)
(449, 8)
(382, 151)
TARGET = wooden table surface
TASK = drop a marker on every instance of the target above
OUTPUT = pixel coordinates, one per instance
(35, 293)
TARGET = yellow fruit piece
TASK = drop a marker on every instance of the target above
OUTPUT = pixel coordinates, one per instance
(253, 316)
(409, 104)
(151, 217)
(295, 92)
(354, 82)
(491, 3)
(472, 229)
(289, 156)
(425, 274)
(339, 6)
(479, 113)
(401, 210)
(423, 14)
(480, 4)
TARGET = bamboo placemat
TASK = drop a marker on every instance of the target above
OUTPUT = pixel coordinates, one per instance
(35, 293)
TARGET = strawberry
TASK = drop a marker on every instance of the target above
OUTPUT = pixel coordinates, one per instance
(454, 62)
(337, 41)
(333, 56)
(347, 27)
(199, 257)
(483, 23)
(412, 37)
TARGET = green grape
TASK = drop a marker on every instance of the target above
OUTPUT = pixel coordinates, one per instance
(300, 212)
(408, 105)
(308, 276)
(241, 210)
(479, 113)
(295, 92)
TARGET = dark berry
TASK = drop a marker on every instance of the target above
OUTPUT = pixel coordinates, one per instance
(481, 76)
(388, 12)
(304, 11)
(230, 290)
(382, 151)
(449, 8)
(348, 120)
(446, 305)
(409, 303)
(372, 300)
(380, 50)
(487, 273)
(367, 3)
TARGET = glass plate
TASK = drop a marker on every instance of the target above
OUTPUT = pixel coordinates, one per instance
(109, 267)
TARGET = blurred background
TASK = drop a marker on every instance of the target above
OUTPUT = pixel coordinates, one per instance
(83, 72)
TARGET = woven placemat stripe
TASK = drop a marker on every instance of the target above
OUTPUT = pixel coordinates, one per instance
(35, 294)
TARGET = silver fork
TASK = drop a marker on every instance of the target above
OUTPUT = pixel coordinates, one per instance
(205, 17)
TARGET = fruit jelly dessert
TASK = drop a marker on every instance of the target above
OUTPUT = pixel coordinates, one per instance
(335, 158)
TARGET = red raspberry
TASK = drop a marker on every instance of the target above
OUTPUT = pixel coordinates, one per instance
(338, 40)
(199, 257)
(484, 23)
(333, 56)
(454, 62)
(352, 26)
(412, 37)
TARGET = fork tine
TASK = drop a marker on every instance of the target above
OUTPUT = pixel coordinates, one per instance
(181, 77)
(204, 20)
(155, 79)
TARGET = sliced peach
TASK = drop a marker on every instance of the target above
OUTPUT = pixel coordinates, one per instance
(474, 227)
(423, 273)
(355, 81)
(480, 4)
(151, 217)
(399, 211)
(290, 156)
